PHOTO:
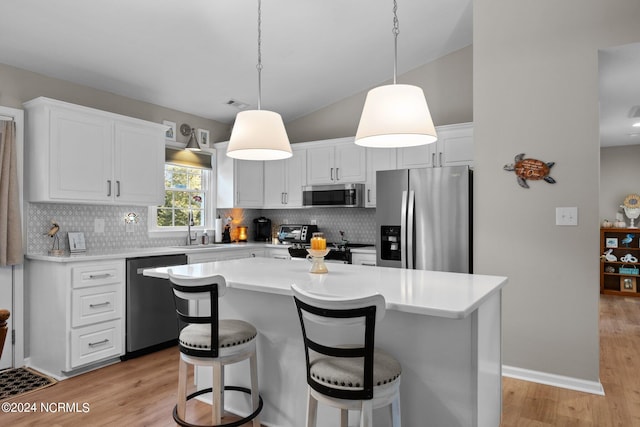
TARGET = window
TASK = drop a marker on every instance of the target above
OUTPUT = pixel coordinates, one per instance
(186, 189)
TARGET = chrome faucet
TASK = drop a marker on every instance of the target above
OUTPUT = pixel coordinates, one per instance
(190, 223)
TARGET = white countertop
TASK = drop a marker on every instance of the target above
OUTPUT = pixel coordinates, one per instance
(450, 295)
(96, 255)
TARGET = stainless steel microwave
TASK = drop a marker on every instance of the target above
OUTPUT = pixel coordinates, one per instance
(336, 195)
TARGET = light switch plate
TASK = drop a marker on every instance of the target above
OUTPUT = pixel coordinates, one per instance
(567, 216)
(98, 225)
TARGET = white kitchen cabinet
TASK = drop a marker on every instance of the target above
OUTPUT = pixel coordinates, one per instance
(221, 254)
(240, 182)
(378, 159)
(454, 147)
(362, 258)
(284, 179)
(278, 253)
(77, 315)
(335, 161)
(77, 154)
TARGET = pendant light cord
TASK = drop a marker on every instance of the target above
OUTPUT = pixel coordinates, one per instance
(259, 64)
(396, 31)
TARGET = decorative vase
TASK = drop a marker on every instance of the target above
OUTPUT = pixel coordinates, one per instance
(316, 257)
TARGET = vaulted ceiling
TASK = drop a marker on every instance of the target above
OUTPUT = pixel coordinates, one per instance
(196, 55)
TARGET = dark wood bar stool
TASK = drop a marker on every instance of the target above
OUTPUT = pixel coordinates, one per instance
(344, 370)
(206, 340)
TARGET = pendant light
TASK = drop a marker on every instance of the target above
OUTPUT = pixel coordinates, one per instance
(259, 134)
(395, 115)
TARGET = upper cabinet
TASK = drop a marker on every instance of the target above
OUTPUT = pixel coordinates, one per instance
(240, 182)
(378, 159)
(284, 179)
(335, 161)
(454, 147)
(77, 154)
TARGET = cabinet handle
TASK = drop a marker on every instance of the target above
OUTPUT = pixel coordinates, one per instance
(286, 198)
(433, 159)
(237, 197)
(99, 276)
(440, 160)
(281, 257)
(369, 264)
(331, 174)
(102, 304)
(337, 174)
(108, 188)
(117, 188)
(95, 344)
(369, 195)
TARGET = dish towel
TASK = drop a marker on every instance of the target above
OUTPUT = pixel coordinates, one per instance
(10, 222)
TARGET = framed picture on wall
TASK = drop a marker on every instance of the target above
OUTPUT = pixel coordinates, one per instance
(203, 138)
(170, 134)
(611, 242)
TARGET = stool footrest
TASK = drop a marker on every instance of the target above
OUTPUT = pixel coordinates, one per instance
(237, 423)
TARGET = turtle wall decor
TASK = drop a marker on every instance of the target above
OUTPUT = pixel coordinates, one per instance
(532, 169)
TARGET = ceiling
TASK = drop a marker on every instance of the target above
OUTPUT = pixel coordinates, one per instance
(195, 55)
(619, 69)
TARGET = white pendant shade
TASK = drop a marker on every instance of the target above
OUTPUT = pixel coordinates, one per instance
(395, 115)
(259, 135)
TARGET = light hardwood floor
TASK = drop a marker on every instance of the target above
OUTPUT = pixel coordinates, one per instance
(142, 391)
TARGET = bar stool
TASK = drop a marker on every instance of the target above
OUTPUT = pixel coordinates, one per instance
(344, 370)
(206, 340)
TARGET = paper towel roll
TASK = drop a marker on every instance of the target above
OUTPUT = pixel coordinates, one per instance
(218, 230)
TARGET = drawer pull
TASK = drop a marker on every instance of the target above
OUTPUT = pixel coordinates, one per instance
(281, 257)
(95, 344)
(99, 276)
(369, 264)
(102, 304)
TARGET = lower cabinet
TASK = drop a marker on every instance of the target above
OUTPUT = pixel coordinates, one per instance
(224, 254)
(278, 253)
(361, 258)
(77, 315)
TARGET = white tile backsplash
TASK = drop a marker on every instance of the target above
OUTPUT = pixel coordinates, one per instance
(357, 223)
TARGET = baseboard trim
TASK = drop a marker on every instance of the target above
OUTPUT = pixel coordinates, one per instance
(593, 387)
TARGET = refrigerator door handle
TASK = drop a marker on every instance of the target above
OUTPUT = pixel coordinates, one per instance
(403, 232)
(410, 214)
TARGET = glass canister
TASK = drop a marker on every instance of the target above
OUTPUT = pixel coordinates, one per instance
(318, 242)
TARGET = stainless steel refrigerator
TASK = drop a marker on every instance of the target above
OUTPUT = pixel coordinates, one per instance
(423, 218)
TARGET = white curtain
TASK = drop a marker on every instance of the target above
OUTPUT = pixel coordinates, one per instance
(10, 222)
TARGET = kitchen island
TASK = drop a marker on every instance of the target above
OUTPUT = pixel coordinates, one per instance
(444, 328)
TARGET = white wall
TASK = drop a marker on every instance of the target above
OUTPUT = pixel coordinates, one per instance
(536, 91)
(619, 176)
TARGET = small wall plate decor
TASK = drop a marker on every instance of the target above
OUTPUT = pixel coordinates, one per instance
(532, 169)
(627, 284)
(76, 242)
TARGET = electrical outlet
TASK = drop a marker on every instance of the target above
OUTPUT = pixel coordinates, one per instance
(567, 216)
(314, 222)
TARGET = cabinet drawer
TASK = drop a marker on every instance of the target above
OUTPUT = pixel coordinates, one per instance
(96, 304)
(94, 275)
(96, 342)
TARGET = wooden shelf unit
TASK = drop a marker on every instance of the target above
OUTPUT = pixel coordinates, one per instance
(611, 283)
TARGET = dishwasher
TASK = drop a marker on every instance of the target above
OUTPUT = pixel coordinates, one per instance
(151, 321)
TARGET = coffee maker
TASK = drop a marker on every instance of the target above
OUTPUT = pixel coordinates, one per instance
(262, 229)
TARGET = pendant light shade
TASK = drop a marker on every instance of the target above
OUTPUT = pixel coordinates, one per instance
(259, 135)
(395, 116)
